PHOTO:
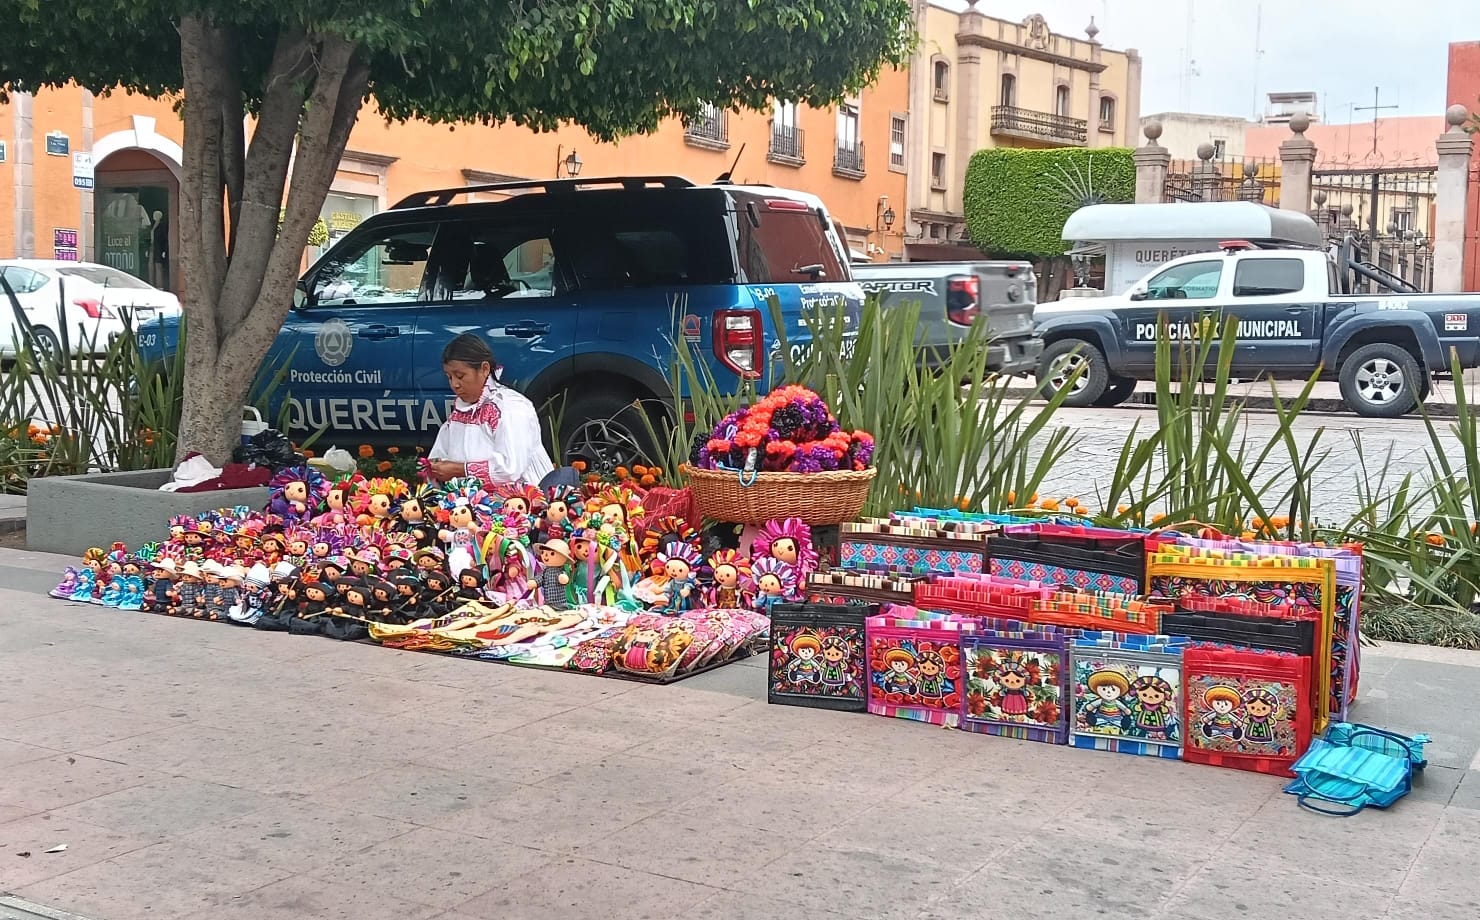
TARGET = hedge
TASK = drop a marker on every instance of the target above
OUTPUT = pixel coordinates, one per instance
(1017, 200)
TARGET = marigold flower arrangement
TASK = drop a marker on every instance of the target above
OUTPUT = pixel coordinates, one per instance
(789, 431)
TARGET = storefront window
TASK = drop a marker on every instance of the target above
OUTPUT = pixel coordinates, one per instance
(133, 232)
(341, 214)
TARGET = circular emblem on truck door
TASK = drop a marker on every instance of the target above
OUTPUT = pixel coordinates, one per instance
(333, 342)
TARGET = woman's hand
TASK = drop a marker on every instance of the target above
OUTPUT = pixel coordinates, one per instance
(446, 470)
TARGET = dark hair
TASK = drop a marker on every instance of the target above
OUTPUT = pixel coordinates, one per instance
(470, 349)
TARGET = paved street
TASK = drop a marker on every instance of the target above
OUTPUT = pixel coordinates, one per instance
(1087, 471)
(199, 771)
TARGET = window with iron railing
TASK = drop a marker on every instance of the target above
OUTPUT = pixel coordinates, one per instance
(709, 128)
(848, 160)
(787, 143)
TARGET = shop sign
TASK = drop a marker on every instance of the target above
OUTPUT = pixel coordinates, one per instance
(82, 170)
(344, 221)
(64, 245)
(58, 144)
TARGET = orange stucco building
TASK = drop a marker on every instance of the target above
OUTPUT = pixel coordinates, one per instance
(1464, 89)
(127, 220)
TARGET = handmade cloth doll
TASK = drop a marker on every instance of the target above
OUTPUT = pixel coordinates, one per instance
(254, 595)
(507, 555)
(208, 603)
(775, 581)
(430, 559)
(415, 512)
(231, 590)
(315, 602)
(619, 510)
(157, 595)
(468, 508)
(377, 501)
(364, 561)
(525, 501)
(382, 605)
(338, 499)
(333, 569)
(441, 593)
(345, 617)
(562, 510)
(556, 588)
(185, 599)
(470, 586)
(729, 572)
(409, 589)
(294, 493)
(681, 589)
(583, 565)
(788, 541)
(658, 534)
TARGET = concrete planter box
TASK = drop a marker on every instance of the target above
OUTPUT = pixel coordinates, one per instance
(67, 514)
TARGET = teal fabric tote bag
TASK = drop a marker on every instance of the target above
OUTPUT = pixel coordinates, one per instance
(1354, 766)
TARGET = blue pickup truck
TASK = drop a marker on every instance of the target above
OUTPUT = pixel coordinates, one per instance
(582, 289)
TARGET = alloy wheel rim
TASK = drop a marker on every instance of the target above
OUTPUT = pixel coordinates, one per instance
(1064, 367)
(604, 444)
(1380, 381)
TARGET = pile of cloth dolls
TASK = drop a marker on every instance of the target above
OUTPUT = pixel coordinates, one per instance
(578, 578)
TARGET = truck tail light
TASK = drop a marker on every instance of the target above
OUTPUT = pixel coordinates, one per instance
(963, 299)
(737, 341)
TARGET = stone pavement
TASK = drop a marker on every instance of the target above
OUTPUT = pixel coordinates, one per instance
(199, 771)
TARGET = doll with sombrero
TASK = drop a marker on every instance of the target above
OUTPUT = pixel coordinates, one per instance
(555, 582)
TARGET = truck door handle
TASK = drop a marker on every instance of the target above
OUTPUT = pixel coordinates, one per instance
(526, 329)
(1294, 311)
(378, 331)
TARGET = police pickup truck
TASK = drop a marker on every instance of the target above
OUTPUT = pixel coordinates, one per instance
(955, 295)
(1293, 317)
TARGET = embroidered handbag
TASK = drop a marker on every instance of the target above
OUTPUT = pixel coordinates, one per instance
(1016, 682)
(1346, 652)
(1099, 610)
(1082, 558)
(1247, 710)
(817, 655)
(981, 595)
(1126, 694)
(1293, 587)
(914, 666)
(1297, 637)
(1354, 766)
(917, 547)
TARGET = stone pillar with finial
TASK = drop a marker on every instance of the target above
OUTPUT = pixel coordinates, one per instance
(1207, 184)
(1297, 163)
(1450, 199)
(1152, 162)
(1320, 214)
(1092, 119)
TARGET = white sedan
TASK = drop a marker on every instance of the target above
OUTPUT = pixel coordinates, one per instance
(93, 302)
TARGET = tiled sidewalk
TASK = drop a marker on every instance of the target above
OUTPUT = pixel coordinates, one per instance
(199, 771)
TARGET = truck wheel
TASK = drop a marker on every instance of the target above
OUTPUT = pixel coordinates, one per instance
(1061, 359)
(1119, 390)
(606, 430)
(1380, 381)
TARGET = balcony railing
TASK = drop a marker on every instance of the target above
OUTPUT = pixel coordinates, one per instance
(710, 128)
(787, 145)
(848, 161)
(1011, 121)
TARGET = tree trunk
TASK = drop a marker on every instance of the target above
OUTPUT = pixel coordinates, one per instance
(239, 286)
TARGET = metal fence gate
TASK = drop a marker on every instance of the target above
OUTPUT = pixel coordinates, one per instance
(1385, 214)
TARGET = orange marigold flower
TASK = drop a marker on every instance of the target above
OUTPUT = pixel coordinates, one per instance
(649, 480)
(1011, 496)
(393, 451)
(1435, 539)
(1122, 509)
(1072, 502)
(383, 466)
(307, 454)
(639, 470)
(1034, 499)
(367, 451)
(623, 473)
(1051, 504)
(578, 465)
(1256, 523)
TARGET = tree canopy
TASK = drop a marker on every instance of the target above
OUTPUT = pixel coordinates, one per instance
(612, 66)
(304, 68)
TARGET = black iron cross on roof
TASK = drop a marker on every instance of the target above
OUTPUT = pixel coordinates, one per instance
(1374, 108)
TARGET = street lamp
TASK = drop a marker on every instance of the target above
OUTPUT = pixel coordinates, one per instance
(888, 218)
(571, 163)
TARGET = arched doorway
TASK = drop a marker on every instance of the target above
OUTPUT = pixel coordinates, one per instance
(136, 209)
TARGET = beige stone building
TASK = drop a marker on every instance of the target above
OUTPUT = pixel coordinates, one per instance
(979, 82)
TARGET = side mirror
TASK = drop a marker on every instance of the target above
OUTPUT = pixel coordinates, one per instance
(1137, 295)
(302, 298)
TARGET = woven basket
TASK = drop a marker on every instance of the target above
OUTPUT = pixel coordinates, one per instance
(820, 499)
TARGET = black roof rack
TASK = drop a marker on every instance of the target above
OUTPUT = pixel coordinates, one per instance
(438, 197)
